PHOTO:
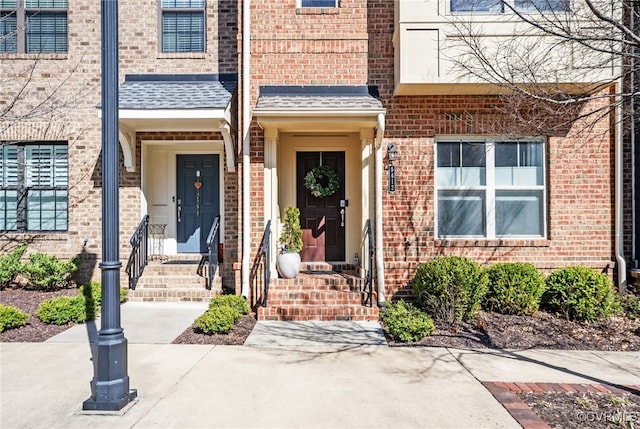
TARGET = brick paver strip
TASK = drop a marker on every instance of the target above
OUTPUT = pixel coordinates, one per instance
(506, 394)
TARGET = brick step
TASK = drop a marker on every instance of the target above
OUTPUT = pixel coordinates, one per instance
(190, 294)
(314, 297)
(174, 268)
(319, 294)
(318, 312)
(172, 281)
(319, 281)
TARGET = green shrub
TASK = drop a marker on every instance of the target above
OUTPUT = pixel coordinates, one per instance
(404, 322)
(48, 272)
(580, 293)
(65, 309)
(514, 288)
(450, 288)
(631, 306)
(217, 320)
(10, 265)
(11, 317)
(236, 302)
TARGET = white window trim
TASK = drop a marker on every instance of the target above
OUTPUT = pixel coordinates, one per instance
(506, 11)
(162, 9)
(490, 189)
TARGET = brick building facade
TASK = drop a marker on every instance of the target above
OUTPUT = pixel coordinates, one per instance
(324, 88)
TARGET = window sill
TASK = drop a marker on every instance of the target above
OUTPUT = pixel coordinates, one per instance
(181, 55)
(318, 11)
(511, 242)
(31, 57)
(36, 236)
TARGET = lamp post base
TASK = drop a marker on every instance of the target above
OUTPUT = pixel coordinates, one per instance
(110, 386)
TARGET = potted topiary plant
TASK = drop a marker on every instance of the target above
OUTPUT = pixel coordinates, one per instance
(290, 244)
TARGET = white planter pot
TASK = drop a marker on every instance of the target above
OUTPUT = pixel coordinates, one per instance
(289, 264)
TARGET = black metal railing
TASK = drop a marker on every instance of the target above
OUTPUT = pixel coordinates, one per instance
(213, 241)
(261, 263)
(139, 257)
(368, 286)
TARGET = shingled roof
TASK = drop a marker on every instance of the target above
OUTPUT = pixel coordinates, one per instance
(161, 91)
(318, 98)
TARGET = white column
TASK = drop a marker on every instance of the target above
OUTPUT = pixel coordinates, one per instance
(367, 169)
(271, 192)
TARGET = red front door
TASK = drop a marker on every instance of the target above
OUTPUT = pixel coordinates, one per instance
(323, 225)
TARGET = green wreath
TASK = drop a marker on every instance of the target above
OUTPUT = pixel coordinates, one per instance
(322, 181)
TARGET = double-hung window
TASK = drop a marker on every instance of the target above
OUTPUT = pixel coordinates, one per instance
(34, 187)
(506, 6)
(183, 25)
(33, 26)
(490, 189)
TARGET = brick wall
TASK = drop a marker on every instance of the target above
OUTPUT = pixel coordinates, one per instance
(580, 164)
(296, 47)
(70, 85)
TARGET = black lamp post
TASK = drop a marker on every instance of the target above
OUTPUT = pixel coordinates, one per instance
(110, 384)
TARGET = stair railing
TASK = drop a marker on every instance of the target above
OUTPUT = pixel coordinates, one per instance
(368, 286)
(212, 243)
(139, 257)
(261, 261)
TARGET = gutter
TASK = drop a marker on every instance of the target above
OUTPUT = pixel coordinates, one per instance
(246, 154)
(619, 203)
(378, 211)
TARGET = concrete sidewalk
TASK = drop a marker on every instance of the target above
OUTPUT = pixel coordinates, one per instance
(295, 375)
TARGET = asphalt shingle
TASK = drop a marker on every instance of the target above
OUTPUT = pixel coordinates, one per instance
(343, 98)
(176, 92)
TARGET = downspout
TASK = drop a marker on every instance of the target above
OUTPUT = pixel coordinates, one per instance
(378, 225)
(246, 154)
(619, 203)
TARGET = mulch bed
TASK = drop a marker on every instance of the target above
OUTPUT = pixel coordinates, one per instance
(542, 331)
(235, 337)
(545, 406)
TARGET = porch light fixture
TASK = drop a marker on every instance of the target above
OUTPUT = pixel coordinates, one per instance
(392, 152)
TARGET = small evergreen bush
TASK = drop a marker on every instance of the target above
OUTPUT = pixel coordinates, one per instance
(66, 309)
(514, 288)
(48, 272)
(404, 322)
(450, 288)
(217, 320)
(631, 306)
(236, 302)
(10, 265)
(580, 293)
(11, 317)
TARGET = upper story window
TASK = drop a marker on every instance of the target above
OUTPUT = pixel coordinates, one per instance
(33, 26)
(183, 25)
(319, 3)
(34, 187)
(502, 6)
(490, 189)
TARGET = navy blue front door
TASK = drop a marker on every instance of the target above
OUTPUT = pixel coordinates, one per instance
(198, 200)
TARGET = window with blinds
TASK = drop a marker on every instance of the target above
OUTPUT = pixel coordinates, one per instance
(33, 26)
(34, 187)
(183, 25)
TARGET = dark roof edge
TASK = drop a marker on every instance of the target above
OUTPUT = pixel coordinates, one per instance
(319, 90)
(211, 77)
